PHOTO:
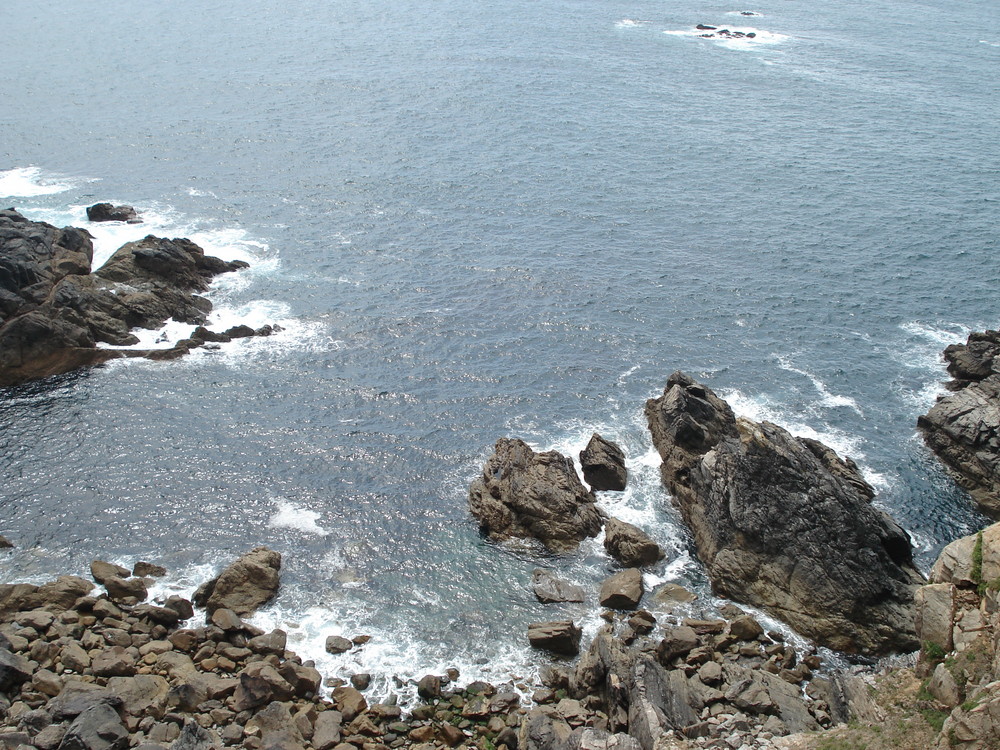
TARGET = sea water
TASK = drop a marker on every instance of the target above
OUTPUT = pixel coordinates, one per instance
(479, 221)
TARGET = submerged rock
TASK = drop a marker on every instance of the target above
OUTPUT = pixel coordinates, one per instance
(784, 524)
(550, 589)
(526, 494)
(963, 427)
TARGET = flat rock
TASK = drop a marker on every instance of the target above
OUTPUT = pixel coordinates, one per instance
(784, 524)
(525, 494)
(550, 589)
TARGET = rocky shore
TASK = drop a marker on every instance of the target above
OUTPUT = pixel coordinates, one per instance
(963, 427)
(55, 311)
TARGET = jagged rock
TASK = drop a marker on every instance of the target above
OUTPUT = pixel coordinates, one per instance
(544, 729)
(277, 727)
(526, 494)
(261, 683)
(550, 589)
(629, 545)
(955, 563)
(97, 728)
(678, 640)
(109, 212)
(963, 427)
(247, 584)
(623, 590)
(54, 311)
(603, 465)
(784, 524)
(561, 637)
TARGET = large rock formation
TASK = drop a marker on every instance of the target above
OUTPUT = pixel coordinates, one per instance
(784, 524)
(526, 494)
(963, 427)
(603, 464)
(54, 311)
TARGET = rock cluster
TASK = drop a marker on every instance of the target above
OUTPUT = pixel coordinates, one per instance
(963, 427)
(54, 311)
(784, 524)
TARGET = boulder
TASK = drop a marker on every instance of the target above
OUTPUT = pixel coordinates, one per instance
(963, 427)
(784, 524)
(550, 589)
(125, 588)
(102, 571)
(603, 465)
(97, 728)
(337, 644)
(247, 584)
(526, 494)
(14, 670)
(142, 569)
(629, 545)
(623, 590)
(261, 683)
(560, 637)
(109, 212)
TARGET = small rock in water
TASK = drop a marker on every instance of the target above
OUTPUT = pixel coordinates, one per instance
(336, 644)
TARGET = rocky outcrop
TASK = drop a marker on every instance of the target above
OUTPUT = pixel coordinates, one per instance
(603, 464)
(784, 524)
(54, 311)
(245, 585)
(963, 427)
(109, 212)
(526, 494)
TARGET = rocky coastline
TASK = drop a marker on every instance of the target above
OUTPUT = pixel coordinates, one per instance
(55, 310)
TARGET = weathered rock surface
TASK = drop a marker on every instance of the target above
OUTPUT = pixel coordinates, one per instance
(784, 524)
(526, 494)
(623, 590)
(963, 427)
(245, 585)
(629, 544)
(54, 311)
(603, 465)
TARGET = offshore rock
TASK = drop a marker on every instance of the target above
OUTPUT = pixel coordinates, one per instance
(109, 212)
(526, 494)
(963, 427)
(560, 637)
(54, 311)
(603, 465)
(550, 589)
(782, 523)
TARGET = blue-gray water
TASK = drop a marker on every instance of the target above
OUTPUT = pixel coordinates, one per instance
(482, 220)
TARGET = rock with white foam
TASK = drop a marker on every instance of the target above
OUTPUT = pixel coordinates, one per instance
(784, 524)
(245, 585)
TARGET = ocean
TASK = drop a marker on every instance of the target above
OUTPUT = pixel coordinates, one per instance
(473, 222)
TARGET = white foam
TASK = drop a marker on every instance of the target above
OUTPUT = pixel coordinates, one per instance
(745, 13)
(760, 38)
(195, 193)
(760, 408)
(991, 44)
(29, 182)
(827, 398)
(628, 23)
(291, 516)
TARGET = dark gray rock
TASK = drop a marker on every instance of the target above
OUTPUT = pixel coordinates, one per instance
(14, 670)
(109, 212)
(526, 494)
(561, 637)
(97, 728)
(193, 737)
(963, 427)
(337, 644)
(784, 524)
(629, 544)
(603, 465)
(550, 589)
(76, 697)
